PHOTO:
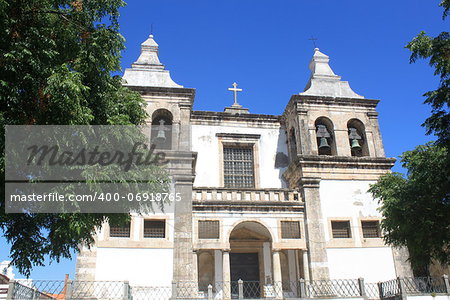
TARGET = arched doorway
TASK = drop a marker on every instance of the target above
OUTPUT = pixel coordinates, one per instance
(250, 261)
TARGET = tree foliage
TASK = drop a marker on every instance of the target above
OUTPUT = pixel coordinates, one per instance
(437, 50)
(56, 61)
(416, 208)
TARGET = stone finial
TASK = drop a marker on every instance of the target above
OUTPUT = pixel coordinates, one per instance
(149, 55)
(147, 70)
(323, 81)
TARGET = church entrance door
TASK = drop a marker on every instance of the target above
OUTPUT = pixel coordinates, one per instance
(245, 266)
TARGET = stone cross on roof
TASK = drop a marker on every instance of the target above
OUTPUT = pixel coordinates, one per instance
(236, 108)
(235, 90)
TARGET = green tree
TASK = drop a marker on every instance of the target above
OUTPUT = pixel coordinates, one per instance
(437, 50)
(56, 63)
(416, 208)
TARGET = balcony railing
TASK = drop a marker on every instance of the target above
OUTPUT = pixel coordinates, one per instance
(250, 195)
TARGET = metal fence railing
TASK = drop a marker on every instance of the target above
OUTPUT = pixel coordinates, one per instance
(423, 285)
(394, 289)
(372, 291)
(119, 290)
(340, 288)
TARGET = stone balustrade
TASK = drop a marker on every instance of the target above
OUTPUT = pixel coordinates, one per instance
(250, 195)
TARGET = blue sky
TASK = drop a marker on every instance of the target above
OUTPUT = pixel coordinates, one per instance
(264, 46)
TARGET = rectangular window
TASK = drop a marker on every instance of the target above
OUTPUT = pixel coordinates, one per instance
(371, 229)
(238, 167)
(290, 230)
(341, 229)
(115, 231)
(154, 229)
(208, 229)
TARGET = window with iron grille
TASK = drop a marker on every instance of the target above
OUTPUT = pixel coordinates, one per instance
(208, 229)
(116, 231)
(290, 230)
(154, 229)
(238, 167)
(341, 229)
(371, 229)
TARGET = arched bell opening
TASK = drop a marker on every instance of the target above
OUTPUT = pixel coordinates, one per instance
(357, 138)
(161, 135)
(325, 136)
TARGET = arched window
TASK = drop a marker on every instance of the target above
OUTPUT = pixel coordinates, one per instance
(292, 144)
(357, 138)
(325, 136)
(162, 129)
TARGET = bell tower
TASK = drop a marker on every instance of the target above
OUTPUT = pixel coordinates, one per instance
(333, 136)
(169, 107)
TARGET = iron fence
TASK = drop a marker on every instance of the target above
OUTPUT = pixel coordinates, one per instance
(372, 291)
(394, 289)
(151, 292)
(119, 290)
(340, 288)
(423, 285)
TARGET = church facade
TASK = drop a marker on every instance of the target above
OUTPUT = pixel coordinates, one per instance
(265, 198)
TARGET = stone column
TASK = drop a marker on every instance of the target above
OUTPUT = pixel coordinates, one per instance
(183, 269)
(292, 263)
(401, 263)
(342, 142)
(315, 234)
(185, 130)
(305, 264)
(277, 277)
(218, 266)
(377, 148)
(226, 274)
(195, 264)
(86, 263)
(306, 135)
(218, 273)
(267, 263)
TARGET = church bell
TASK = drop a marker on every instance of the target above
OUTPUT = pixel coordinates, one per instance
(355, 144)
(161, 136)
(323, 143)
(323, 134)
(354, 137)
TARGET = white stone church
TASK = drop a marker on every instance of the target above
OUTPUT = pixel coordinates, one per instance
(266, 198)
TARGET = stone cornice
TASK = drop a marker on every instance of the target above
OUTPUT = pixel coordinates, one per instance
(181, 165)
(358, 102)
(222, 116)
(320, 161)
(164, 91)
(309, 167)
(246, 206)
(239, 135)
(309, 182)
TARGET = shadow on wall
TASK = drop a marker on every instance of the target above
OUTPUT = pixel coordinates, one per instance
(281, 158)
